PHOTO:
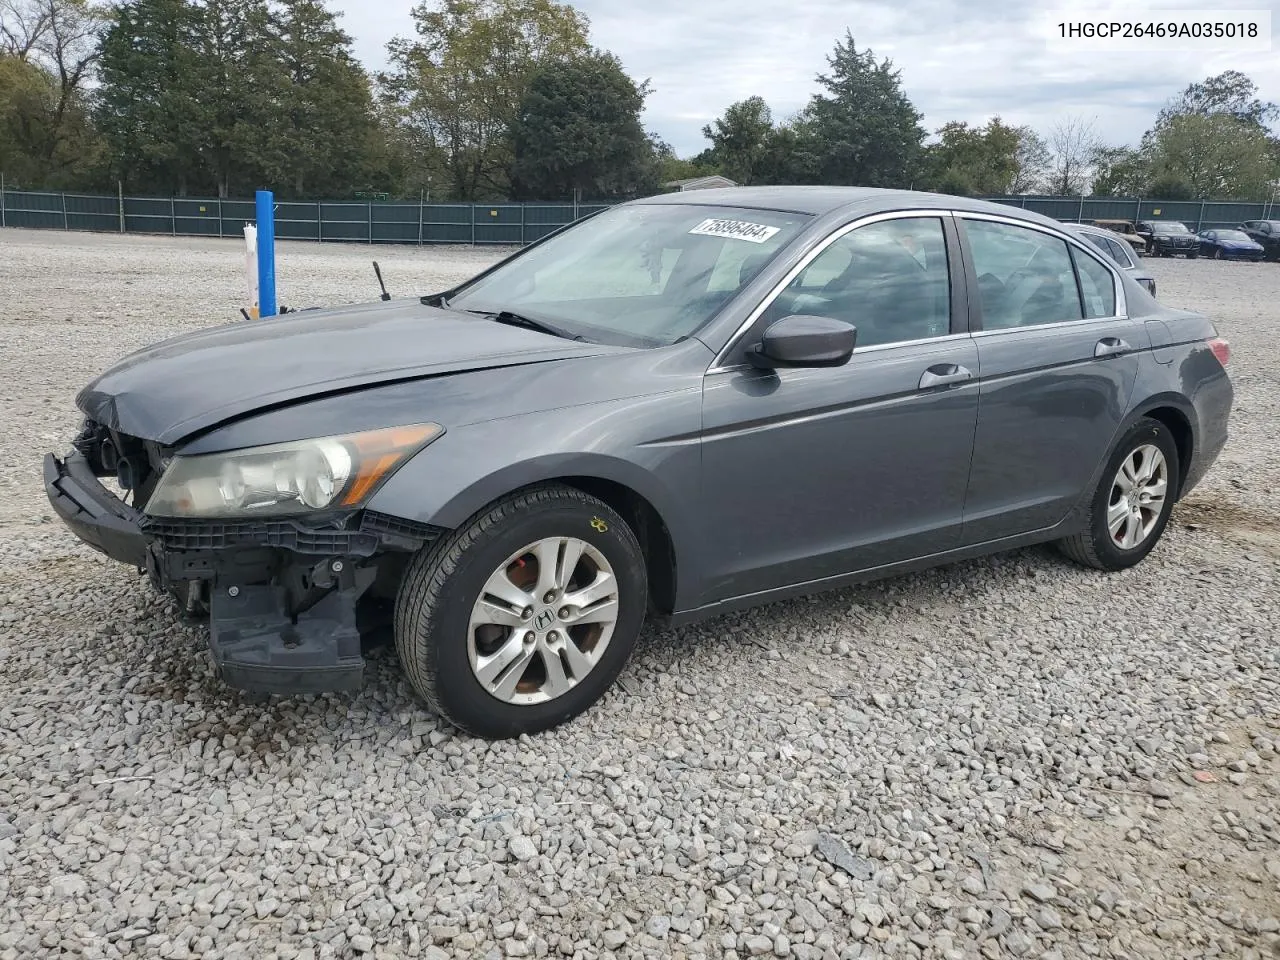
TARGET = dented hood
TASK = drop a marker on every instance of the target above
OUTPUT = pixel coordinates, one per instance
(177, 387)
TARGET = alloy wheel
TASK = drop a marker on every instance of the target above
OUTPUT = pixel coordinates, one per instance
(543, 620)
(1137, 496)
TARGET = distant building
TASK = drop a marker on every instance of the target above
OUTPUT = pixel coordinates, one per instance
(700, 183)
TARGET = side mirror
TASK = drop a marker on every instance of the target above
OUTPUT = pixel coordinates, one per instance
(804, 341)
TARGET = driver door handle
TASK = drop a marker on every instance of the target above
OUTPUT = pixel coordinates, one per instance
(1109, 347)
(943, 374)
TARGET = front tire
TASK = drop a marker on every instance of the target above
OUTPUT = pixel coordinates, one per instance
(525, 616)
(1131, 505)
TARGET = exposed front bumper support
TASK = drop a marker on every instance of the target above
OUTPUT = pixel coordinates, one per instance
(257, 646)
(94, 515)
(282, 597)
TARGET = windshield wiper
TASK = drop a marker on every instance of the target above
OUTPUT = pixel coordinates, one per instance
(519, 320)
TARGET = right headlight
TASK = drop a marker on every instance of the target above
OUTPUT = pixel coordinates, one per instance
(302, 476)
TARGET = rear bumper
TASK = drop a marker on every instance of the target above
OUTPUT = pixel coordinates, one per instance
(282, 595)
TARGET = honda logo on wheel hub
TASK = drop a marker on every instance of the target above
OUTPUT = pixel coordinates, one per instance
(544, 619)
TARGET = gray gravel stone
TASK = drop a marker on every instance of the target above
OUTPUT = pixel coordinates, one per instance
(813, 777)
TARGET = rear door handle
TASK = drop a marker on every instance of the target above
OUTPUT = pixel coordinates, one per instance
(1109, 347)
(942, 374)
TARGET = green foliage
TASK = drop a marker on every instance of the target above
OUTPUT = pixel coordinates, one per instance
(225, 96)
(863, 130)
(739, 139)
(1216, 156)
(455, 88)
(973, 161)
(48, 49)
(1123, 172)
(327, 139)
(578, 129)
(1231, 93)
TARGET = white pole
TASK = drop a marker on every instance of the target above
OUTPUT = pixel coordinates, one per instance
(251, 268)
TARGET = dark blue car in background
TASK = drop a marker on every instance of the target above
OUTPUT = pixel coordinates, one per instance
(1229, 245)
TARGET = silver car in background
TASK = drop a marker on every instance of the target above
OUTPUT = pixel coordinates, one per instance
(1118, 250)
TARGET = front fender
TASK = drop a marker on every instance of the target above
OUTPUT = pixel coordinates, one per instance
(649, 445)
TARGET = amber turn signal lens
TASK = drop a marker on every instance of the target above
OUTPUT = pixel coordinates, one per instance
(379, 451)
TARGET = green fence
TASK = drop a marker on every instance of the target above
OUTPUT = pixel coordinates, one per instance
(475, 223)
(343, 221)
(1196, 214)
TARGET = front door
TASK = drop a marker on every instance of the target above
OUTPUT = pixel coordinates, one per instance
(810, 473)
(1057, 367)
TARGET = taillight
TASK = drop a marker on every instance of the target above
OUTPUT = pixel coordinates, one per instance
(1221, 349)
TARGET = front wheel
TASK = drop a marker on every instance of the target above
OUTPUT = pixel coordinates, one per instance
(1133, 500)
(523, 618)
(1217, 253)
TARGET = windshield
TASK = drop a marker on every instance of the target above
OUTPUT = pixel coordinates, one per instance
(640, 275)
(1165, 228)
(1231, 235)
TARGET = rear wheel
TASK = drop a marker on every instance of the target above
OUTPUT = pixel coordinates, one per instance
(524, 617)
(1131, 505)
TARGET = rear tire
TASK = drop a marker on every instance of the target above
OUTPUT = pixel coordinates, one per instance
(470, 613)
(1124, 521)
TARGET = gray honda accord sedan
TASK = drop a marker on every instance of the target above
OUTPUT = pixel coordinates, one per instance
(681, 406)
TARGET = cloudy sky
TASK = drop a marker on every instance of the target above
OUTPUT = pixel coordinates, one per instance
(960, 59)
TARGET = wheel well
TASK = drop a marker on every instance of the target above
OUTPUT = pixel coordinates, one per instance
(650, 530)
(1180, 427)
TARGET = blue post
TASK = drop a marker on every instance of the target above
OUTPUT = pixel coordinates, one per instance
(266, 254)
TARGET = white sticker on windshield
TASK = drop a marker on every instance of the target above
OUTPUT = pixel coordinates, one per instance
(735, 230)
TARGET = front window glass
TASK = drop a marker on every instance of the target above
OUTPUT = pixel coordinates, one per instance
(1167, 229)
(1025, 277)
(641, 275)
(1238, 235)
(888, 279)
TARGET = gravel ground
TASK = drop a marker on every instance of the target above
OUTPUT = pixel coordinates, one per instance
(1007, 758)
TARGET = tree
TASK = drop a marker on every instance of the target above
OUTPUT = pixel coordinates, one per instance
(792, 154)
(233, 104)
(973, 161)
(672, 167)
(864, 128)
(1032, 162)
(143, 103)
(1123, 172)
(739, 138)
(578, 129)
(458, 85)
(1216, 156)
(1072, 143)
(328, 135)
(56, 42)
(1231, 93)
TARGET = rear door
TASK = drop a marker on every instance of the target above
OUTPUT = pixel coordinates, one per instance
(1058, 360)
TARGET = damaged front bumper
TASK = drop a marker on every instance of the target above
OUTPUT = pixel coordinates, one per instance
(282, 594)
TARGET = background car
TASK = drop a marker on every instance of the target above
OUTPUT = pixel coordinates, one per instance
(1229, 245)
(1169, 238)
(1126, 229)
(1119, 251)
(1266, 233)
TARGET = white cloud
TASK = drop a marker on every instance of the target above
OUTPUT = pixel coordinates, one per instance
(960, 59)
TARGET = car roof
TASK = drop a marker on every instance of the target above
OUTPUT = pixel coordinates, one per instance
(819, 201)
